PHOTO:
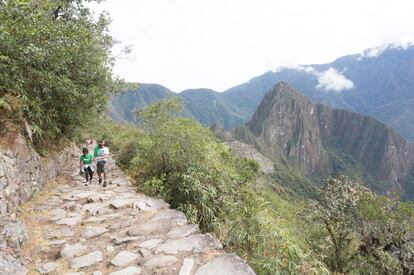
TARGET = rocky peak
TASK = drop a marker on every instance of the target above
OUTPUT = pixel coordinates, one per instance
(321, 141)
(286, 125)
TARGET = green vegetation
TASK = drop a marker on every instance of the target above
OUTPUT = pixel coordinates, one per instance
(295, 183)
(182, 162)
(269, 221)
(55, 66)
(358, 232)
(55, 77)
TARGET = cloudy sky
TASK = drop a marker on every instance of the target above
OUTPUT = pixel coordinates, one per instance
(217, 44)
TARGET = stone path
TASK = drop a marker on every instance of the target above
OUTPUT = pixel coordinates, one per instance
(77, 229)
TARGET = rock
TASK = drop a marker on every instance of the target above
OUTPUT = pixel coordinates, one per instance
(70, 198)
(170, 214)
(150, 244)
(121, 203)
(96, 219)
(183, 231)
(10, 265)
(160, 261)
(144, 252)
(71, 206)
(54, 201)
(249, 151)
(98, 197)
(58, 214)
(124, 258)
(132, 270)
(93, 232)
(110, 249)
(70, 251)
(146, 204)
(57, 242)
(97, 273)
(229, 264)
(120, 181)
(121, 240)
(83, 195)
(196, 243)
(187, 266)
(73, 273)
(153, 227)
(69, 221)
(14, 232)
(86, 260)
(64, 232)
(122, 224)
(73, 215)
(47, 267)
(94, 208)
(142, 205)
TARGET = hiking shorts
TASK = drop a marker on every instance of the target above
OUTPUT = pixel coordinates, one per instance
(101, 167)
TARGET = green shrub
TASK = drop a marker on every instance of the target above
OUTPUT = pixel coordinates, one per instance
(357, 231)
(55, 65)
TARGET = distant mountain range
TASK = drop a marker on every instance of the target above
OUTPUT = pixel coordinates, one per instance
(379, 83)
(319, 141)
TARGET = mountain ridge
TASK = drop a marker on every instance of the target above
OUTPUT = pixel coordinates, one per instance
(321, 141)
(382, 86)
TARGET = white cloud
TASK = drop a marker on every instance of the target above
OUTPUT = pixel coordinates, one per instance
(332, 80)
(374, 52)
(377, 51)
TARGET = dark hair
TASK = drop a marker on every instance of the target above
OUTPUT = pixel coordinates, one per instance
(85, 150)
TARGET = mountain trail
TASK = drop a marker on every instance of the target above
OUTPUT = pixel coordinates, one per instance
(78, 229)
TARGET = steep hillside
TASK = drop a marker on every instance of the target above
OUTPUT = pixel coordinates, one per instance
(319, 141)
(207, 106)
(122, 106)
(379, 83)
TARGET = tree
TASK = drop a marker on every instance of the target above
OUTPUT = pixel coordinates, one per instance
(55, 65)
(355, 229)
(182, 162)
(386, 231)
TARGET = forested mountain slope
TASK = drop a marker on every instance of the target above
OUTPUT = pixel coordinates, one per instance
(319, 140)
(379, 83)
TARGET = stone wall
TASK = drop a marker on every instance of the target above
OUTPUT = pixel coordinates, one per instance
(23, 172)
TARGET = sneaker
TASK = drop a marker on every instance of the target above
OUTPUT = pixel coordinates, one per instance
(100, 181)
(86, 184)
(104, 185)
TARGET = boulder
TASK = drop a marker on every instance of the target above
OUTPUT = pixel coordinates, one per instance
(132, 270)
(70, 251)
(87, 260)
(229, 264)
(47, 268)
(197, 243)
(10, 265)
(160, 261)
(124, 258)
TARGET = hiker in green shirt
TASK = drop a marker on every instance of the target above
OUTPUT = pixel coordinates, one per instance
(86, 163)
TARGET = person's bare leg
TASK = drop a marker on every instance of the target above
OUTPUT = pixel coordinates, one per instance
(100, 178)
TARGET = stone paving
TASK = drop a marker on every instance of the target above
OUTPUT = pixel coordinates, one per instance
(78, 229)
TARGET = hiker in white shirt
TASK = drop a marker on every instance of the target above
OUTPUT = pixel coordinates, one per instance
(101, 154)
